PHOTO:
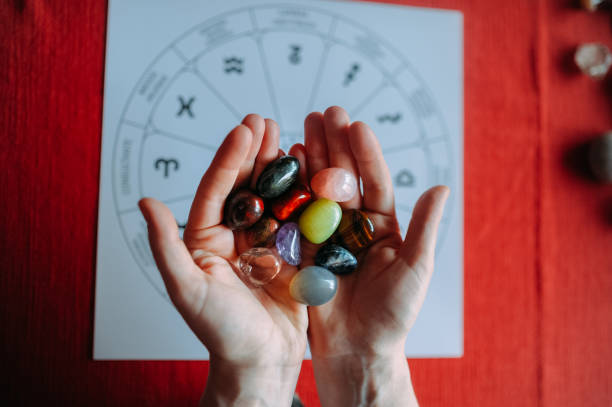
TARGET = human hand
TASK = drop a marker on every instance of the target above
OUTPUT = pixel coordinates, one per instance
(256, 336)
(358, 337)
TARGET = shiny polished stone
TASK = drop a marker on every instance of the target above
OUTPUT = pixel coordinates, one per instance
(260, 265)
(593, 59)
(313, 285)
(290, 202)
(243, 209)
(263, 233)
(278, 176)
(336, 184)
(593, 5)
(288, 243)
(600, 157)
(320, 219)
(336, 259)
(355, 231)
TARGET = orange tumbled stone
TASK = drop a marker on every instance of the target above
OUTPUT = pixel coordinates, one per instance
(335, 184)
(291, 202)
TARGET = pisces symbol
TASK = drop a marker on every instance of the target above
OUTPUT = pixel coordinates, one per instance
(167, 163)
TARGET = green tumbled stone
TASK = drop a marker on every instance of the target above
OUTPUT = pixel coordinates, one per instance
(320, 219)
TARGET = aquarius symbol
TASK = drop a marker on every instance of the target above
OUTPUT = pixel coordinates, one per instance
(185, 106)
(404, 178)
(233, 64)
(350, 75)
(295, 57)
(389, 118)
(166, 163)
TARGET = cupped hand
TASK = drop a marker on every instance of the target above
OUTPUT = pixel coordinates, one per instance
(238, 323)
(376, 305)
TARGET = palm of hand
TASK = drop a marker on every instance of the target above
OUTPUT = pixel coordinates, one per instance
(237, 322)
(377, 304)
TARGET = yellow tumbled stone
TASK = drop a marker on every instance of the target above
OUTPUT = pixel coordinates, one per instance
(319, 221)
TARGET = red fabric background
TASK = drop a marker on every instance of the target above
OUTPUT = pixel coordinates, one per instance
(538, 235)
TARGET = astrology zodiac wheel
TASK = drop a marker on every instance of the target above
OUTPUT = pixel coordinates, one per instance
(281, 62)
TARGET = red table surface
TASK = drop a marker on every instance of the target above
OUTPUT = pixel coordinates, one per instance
(538, 235)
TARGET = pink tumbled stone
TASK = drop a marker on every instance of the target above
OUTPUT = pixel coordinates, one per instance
(336, 184)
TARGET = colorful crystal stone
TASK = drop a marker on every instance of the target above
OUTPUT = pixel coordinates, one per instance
(243, 209)
(291, 202)
(336, 259)
(336, 184)
(288, 243)
(263, 233)
(355, 231)
(260, 265)
(320, 219)
(278, 176)
(313, 285)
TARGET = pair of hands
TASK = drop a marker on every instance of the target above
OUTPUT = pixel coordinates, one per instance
(257, 336)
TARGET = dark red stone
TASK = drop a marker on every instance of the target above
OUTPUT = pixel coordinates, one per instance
(263, 233)
(291, 202)
(243, 209)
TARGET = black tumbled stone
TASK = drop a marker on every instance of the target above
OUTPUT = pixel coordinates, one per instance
(336, 259)
(278, 177)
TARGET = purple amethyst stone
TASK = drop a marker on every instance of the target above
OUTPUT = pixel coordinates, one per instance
(288, 243)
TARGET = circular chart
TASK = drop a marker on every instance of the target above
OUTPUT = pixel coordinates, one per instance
(281, 62)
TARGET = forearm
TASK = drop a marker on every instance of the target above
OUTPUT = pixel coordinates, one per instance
(230, 385)
(364, 381)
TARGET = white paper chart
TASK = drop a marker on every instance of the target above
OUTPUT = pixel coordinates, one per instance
(180, 75)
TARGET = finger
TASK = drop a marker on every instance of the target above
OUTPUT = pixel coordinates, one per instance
(257, 126)
(171, 256)
(268, 150)
(374, 173)
(299, 152)
(219, 179)
(336, 122)
(314, 141)
(418, 249)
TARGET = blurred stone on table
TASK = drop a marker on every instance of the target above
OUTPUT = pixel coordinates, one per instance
(592, 5)
(600, 157)
(593, 59)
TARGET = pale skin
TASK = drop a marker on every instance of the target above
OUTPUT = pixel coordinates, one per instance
(257, 336)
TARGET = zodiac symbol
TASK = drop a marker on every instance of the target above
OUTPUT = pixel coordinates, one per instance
(389, 118)
(295, 57)
(350, 75)
(166, 163)
(185, 106)
(404, 178)
(233, 64)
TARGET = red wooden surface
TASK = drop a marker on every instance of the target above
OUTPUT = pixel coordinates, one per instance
(538, 235)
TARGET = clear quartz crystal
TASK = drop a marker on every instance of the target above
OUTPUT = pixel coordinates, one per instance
(260, 265)
(593, 59)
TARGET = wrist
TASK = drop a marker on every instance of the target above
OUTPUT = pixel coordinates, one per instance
(230, 384)
(364, 380)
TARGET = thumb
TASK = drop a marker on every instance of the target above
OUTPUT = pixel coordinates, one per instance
(418, 249)
(171, 255)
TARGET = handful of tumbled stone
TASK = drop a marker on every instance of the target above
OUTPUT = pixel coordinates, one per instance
(280, 198)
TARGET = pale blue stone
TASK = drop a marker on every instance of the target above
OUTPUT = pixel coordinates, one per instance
(288, 243)
(313, 285)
